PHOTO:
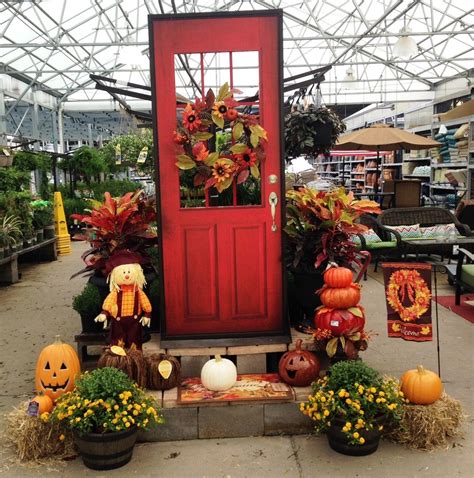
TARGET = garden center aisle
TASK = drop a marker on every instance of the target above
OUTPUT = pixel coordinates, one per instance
(39, 307)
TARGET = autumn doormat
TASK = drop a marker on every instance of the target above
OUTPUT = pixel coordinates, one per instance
(465, 309)
(266, 386)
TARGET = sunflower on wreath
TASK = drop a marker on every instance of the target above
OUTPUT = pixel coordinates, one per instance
(408, 284)
(196, 139)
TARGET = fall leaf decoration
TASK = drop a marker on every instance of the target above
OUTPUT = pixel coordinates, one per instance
(408, 284)
(195, 138)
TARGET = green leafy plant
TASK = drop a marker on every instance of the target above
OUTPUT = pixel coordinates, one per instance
(85, 162)
(19, 204)
(319, 225)
(356, 398)
(88, 303)
(130, 145)
(117, 224)
(12, 179)
(74, 206)
(10, 231)
(103, 401)
(303, 130)
(42, 214)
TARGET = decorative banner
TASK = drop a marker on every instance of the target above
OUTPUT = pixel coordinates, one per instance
(118, 154)
(143, 154)
(408, 294)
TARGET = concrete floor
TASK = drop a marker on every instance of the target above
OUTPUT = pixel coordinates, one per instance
(38, 307)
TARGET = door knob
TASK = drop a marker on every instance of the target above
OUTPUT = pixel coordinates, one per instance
(273, 200)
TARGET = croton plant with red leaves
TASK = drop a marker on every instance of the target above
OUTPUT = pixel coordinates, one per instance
(117, 224)
(195, 139)
(319, 226)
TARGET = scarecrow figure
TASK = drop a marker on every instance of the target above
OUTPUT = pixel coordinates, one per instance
(127, 306)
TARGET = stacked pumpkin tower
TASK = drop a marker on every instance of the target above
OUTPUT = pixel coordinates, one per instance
(340, 320)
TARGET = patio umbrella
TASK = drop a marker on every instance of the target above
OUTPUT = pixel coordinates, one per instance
(382, 136)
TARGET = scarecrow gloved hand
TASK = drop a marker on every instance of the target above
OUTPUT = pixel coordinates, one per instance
(101, 318)
(145, 321)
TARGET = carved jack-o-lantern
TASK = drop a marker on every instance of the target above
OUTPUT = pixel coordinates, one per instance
(56, 369)
(299, 367)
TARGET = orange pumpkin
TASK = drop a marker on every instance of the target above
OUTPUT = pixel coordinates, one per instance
(56, 369)
(421, 386)
(340, 297)
(45, 404)
(338, 277)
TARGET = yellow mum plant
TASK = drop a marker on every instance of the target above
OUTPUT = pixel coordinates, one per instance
(103, 401)
(355, 398)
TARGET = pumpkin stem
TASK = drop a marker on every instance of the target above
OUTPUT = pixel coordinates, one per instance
(217, 358)
(298, 344)
(57, 339)
(421, 369)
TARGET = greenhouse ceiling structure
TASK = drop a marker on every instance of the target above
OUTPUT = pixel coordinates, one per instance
(50, 48)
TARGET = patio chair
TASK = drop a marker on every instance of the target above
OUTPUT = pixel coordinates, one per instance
(407, 193)
(464, 274)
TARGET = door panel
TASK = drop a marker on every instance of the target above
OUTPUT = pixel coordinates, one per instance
(222, 269)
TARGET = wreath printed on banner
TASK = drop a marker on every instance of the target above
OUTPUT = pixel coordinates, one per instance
(408, 283)
(196, 136)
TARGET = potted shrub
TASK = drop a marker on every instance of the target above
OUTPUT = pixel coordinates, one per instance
(88, 304)
(43, 219)
(352, 405)
(318, 229)
(311, 131)
(104, 412)
(10, 231)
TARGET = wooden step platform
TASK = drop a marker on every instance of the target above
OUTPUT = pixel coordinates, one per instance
(226, 419)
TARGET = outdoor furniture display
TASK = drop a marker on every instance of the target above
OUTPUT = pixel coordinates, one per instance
(380, 136)
(373, 241)
(407, 193)
(465, 212)
(385, 199)
(464, 280)
(423, 230)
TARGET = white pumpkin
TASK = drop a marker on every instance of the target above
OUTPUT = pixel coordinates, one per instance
(218, 374)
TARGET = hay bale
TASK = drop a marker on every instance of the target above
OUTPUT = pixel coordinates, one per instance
(33, 440)
(426, 427)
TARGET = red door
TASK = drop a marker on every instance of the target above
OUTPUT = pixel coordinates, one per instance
(222, 264)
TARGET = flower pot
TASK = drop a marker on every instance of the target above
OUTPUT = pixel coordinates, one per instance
(106, 451)
(39, 235)
(323, 134)
(91, 327)
(302, 297)
(338, 441)
(48, 232)
(27, 243)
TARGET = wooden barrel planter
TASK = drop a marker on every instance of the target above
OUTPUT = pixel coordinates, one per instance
(338, 440)
(106, 451)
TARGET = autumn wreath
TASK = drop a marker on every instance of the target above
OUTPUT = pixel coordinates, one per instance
(196, 135)
(408, 283)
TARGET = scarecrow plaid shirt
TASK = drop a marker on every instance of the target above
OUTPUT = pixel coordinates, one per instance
(128, 309)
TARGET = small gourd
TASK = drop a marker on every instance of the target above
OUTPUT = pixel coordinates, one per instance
(45, 404)
(218, 374)
(421, 386)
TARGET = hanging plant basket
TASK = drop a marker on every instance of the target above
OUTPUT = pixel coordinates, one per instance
(311, 131)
